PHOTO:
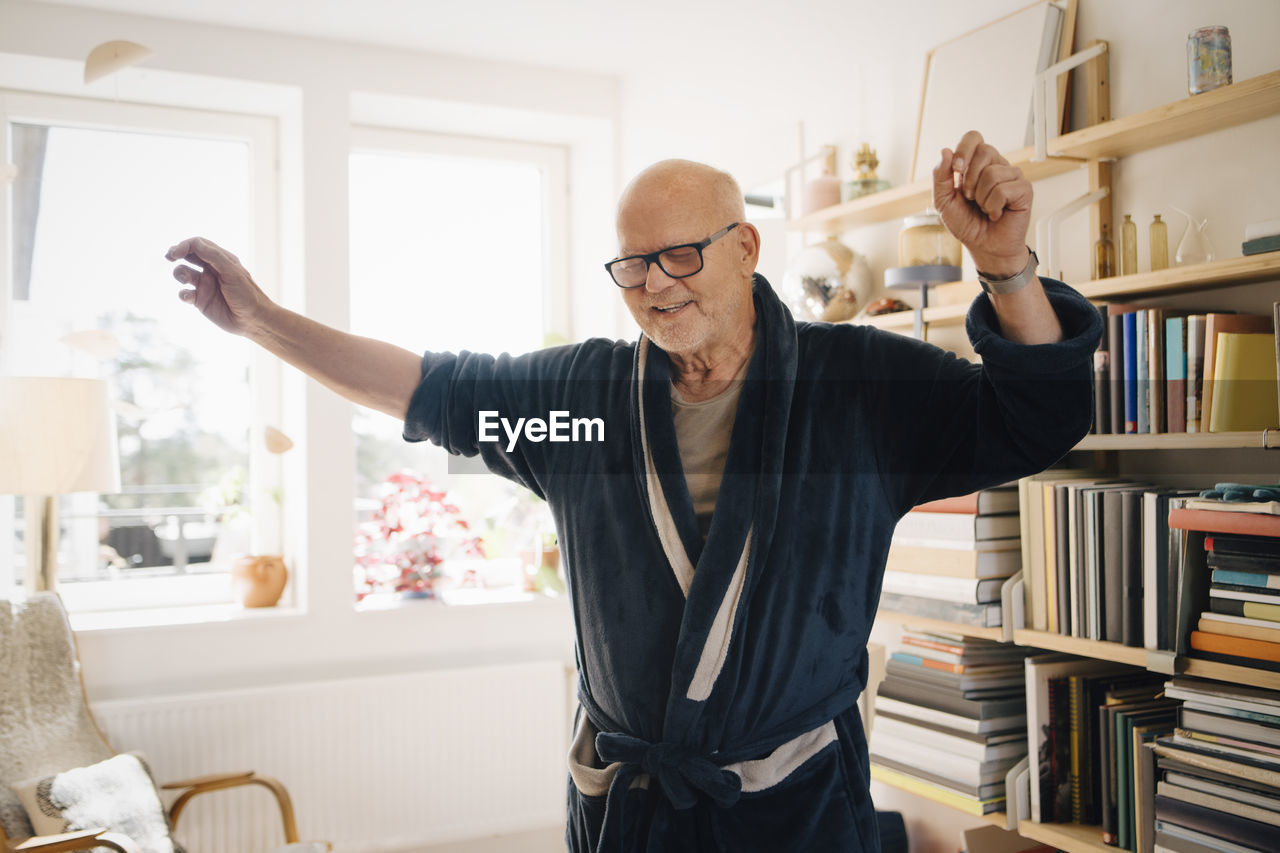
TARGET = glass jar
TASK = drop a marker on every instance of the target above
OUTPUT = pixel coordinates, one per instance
(925, 241)
(1208, 59)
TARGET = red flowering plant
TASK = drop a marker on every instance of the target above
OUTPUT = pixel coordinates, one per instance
(414, 530)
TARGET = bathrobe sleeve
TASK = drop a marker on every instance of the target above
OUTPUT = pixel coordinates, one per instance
(456, 388)
(955, 427)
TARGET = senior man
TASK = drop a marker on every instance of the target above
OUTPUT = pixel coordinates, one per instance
(725, 542)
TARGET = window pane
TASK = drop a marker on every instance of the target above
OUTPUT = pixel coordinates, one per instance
(447, 253)
(97, 209)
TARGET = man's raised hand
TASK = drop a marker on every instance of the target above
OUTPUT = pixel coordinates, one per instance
(986, 203)
(218, 285)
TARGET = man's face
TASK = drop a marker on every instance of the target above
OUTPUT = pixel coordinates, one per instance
(697, 314)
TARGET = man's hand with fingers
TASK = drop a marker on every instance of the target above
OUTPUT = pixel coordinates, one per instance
(218, 285)
(986, 203)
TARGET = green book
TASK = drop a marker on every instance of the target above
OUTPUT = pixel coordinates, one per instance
(1261, 244)
(1129, 725)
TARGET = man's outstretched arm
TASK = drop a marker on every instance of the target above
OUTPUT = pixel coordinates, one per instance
(369, 372)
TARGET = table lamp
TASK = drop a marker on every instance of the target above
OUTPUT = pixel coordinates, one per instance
(57, 436)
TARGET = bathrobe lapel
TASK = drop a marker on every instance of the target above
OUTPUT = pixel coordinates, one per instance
(717, 577)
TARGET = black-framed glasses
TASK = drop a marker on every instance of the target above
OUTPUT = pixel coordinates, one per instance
(676, 261)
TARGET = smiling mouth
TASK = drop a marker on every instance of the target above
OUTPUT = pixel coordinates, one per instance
(671, 309)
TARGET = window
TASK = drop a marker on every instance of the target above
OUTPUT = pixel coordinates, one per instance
(103, 190)
(456, 243)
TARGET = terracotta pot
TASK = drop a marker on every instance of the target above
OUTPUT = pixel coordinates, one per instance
(258, 581)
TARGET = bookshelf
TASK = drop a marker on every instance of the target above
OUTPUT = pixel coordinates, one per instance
(1078, 646)
(1066, 836)
(1229, 106)
(1215, 274)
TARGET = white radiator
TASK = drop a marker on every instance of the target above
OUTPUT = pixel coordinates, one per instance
(379, 763)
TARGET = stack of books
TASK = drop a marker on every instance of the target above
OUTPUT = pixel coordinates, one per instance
(1080, 719)
(1217, 777)
(949, 558)
(950, 719)
(1237, 545)
(1166, 370)
(1096, 559)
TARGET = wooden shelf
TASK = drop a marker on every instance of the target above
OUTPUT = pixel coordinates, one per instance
(938, 625)
(1229, 273)
(897, 202)
(1071, 837)
(1230, 672)
(1226, 273)
(1228, 106)
(1268, 439)
(1078, 646)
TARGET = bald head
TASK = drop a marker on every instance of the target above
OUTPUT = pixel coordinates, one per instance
(695, 187)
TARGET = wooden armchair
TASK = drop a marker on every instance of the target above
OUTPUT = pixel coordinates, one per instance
(46, 728)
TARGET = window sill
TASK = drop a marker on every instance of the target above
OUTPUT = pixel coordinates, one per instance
(157, 617)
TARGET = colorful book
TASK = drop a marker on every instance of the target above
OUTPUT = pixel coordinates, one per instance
(949, 797)
(1261, 546)
(1239, 626)
(1214, 325)
(1244, 381)
(963, 590)
(994, 501)
(1142, 367)
(1130, 372)
(1238, 646)
(1156, 370)
(958, 563)
(1195, 370)
(976, 615)
(1175, 371)
(1261, 245)
(941, 529)
(1211, 521)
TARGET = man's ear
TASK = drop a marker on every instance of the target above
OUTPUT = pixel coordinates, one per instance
(749, 244)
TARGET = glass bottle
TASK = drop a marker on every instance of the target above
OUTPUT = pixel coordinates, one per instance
(1104, 255)
(1128, 246)
(1159, 244)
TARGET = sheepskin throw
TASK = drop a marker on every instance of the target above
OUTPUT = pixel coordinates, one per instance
(45, 726)
(115, 794)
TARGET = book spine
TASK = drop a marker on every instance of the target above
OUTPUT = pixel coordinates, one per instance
(1078, 760)
(1195, 370)
(1115, 359)
(1143, 402)
(1130, 373)
(1175, 346)
(1215, 521)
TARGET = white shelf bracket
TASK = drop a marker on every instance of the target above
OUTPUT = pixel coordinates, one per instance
(1047, 228)
(1013, 599)
(1044, 98)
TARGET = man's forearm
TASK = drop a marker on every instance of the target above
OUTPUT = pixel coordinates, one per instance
(366, 371)
(1026, 317)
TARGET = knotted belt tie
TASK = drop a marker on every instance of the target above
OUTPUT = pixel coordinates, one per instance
(678, 769)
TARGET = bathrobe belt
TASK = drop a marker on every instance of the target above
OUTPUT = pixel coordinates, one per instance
(682, 772)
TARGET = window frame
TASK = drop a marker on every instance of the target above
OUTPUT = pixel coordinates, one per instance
(262, 135)
(553, 160)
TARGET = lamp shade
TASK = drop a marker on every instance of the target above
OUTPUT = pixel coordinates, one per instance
(57, 435)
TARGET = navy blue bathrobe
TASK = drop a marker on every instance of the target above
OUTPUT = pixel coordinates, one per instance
(718, 678)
